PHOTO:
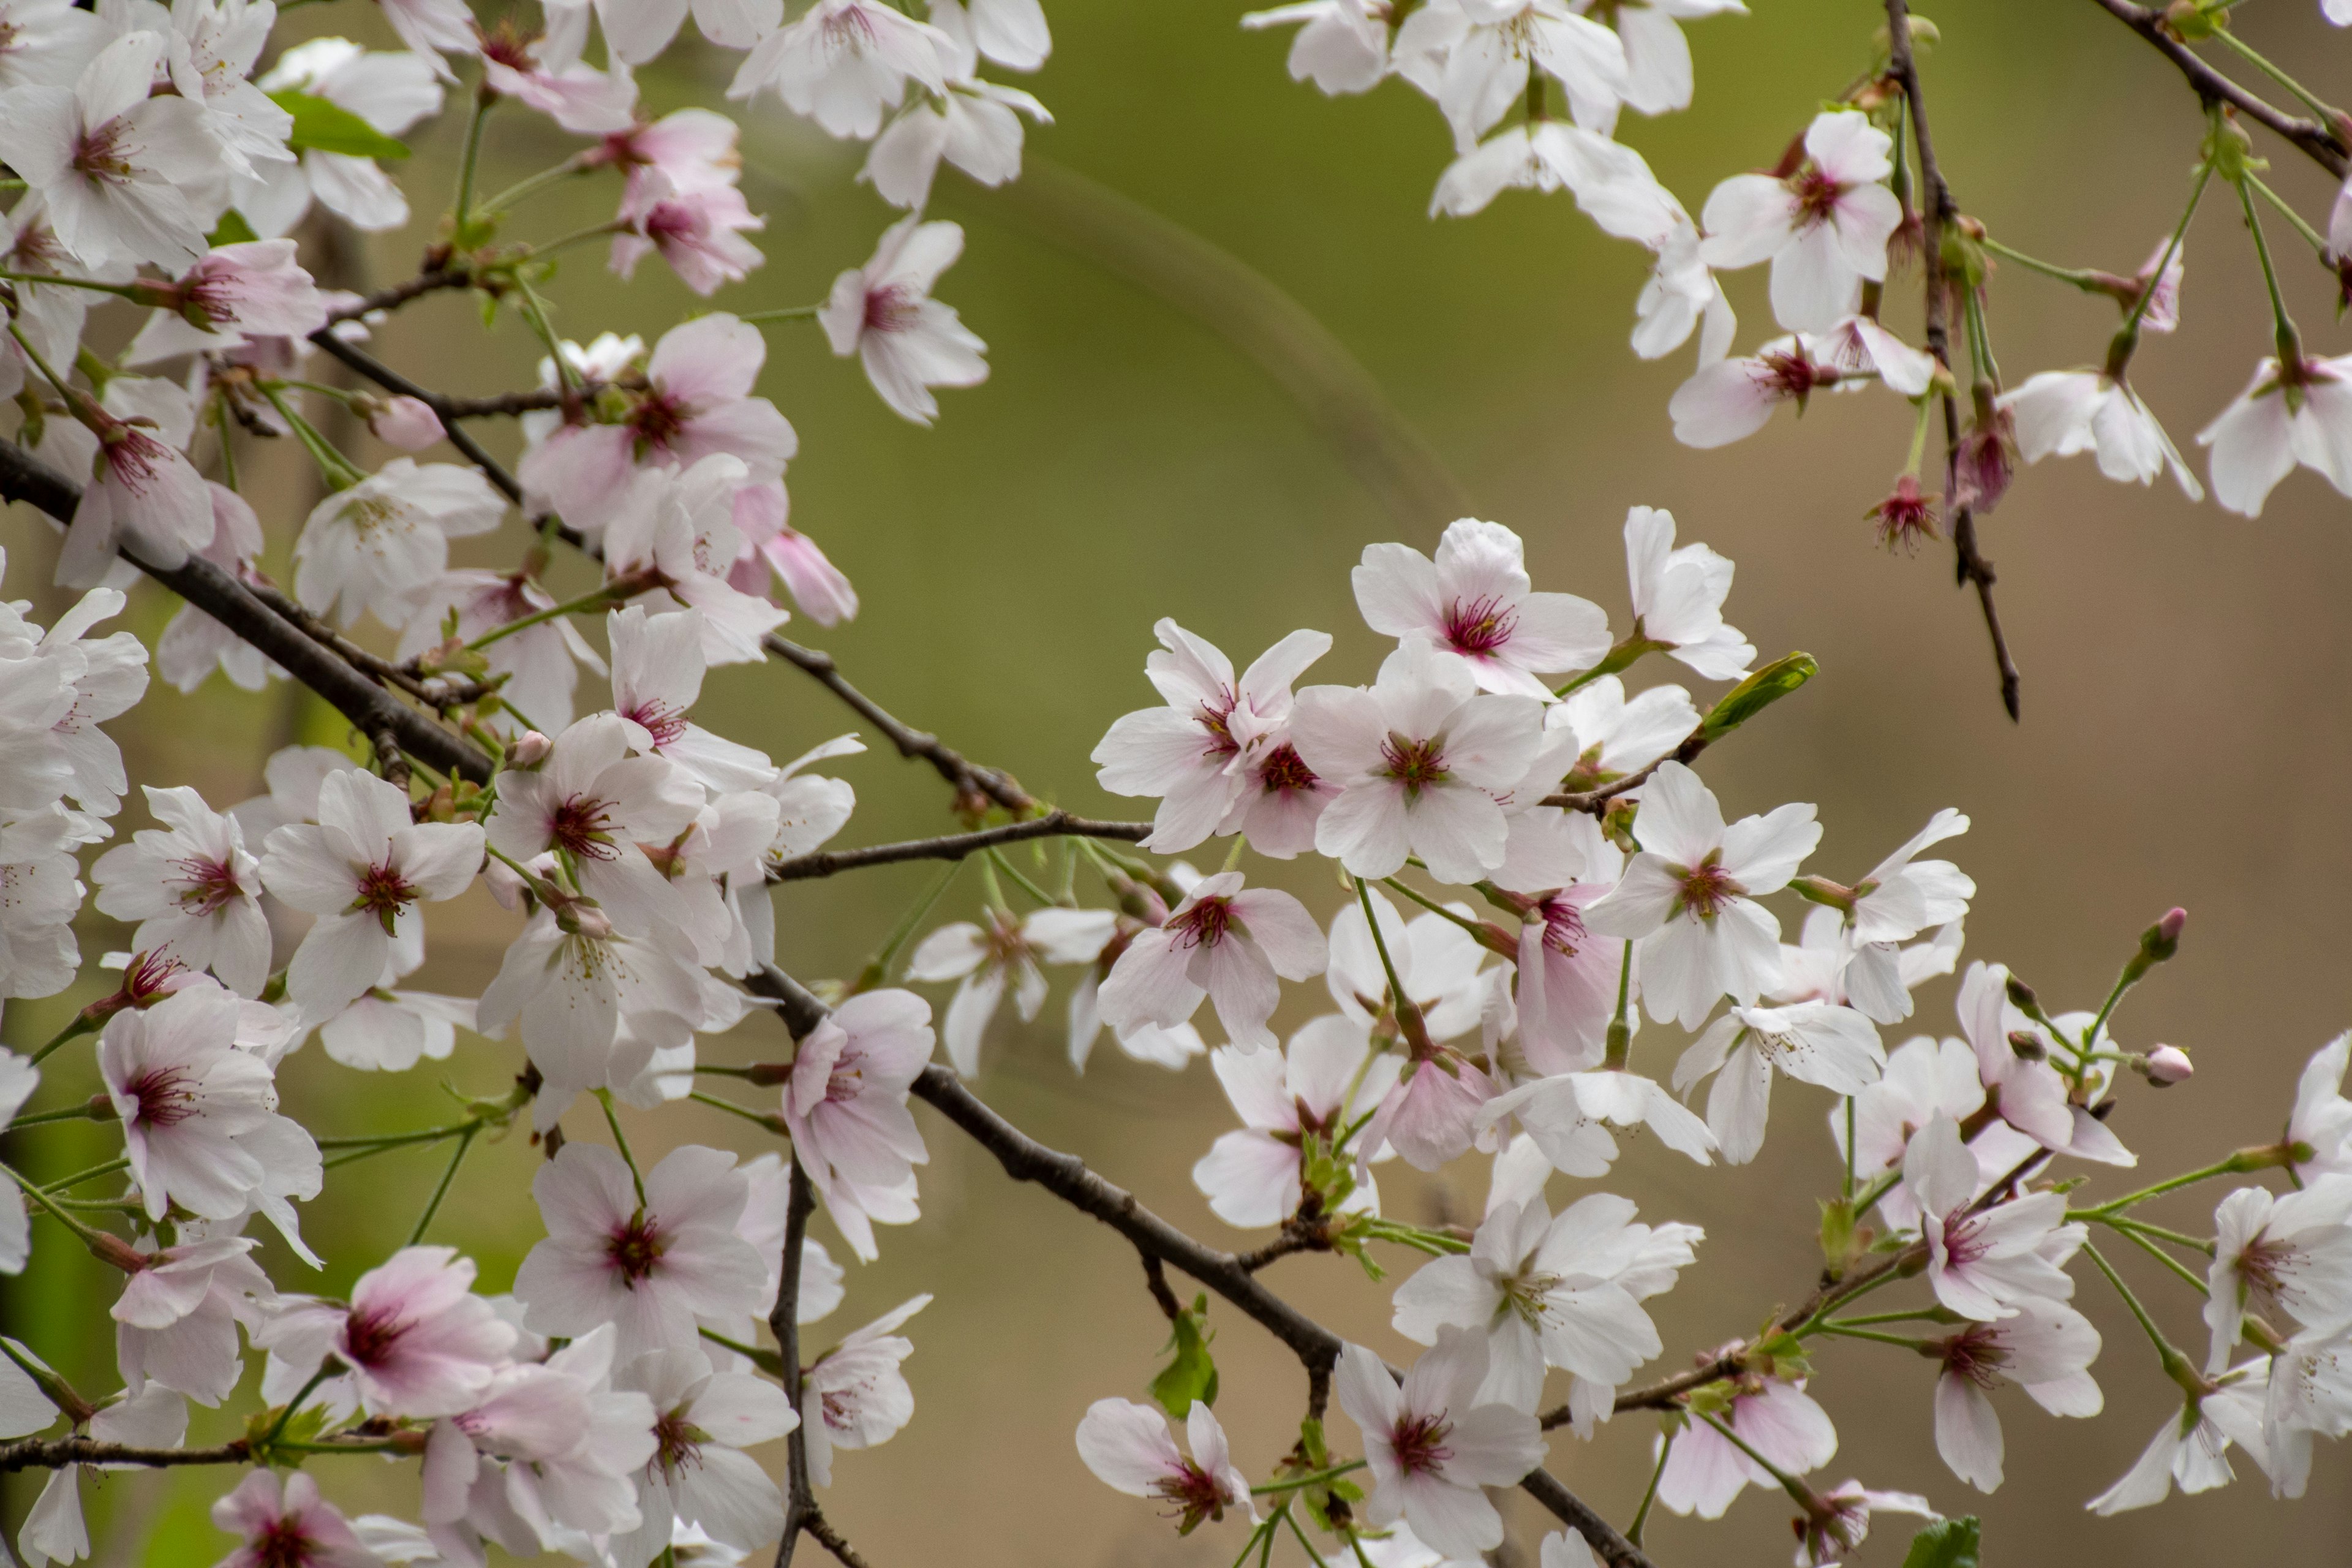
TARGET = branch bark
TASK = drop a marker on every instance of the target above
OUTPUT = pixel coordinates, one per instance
(954, 846)
(1939, 209)
(1068, 1178)
(372, 710)
(2324, 145)
(56, 1453)
(784, 1322)
(973, 782)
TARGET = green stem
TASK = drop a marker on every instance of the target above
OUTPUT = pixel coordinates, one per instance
(135, 292)
(2311, 236)
(1908, 1315)
(327, 1369)
(595, 599)
(1980, 339)
(1834, 1327)
(2126, 338)
(1620, 1033)
(2193, 1243)
(79, 1177)
(33, 1192)
(1623, 656)
(2195, 1280)
(1650, 1493)
(2234, 1165)
(396, 1140)
(746, 1112)
(1849, 1149)
(791, 313)
(70, 1113)
(621, 1141)
(593, 231)
(340, 472)
(471, 160)
(1919, 436)
(81, 1024)
(1796, 1489)
(878, 968)
(535, 311)
(505, 200)
(441, 1190)
(2329, 114)
(1433, 906)
(1312, 1555)
(1397, 997)
(46, 369)
(2089, 281)
(1044, 898)
(1294, 1483)
(2164, 1349)
(2289, 350)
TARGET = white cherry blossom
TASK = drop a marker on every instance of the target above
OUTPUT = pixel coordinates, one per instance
(194, 890)
(1476, 603)
(1327, 1081)
(1812, 1042)
(1232, 944)
(2062, 412)
(1127, 1447)
(1823, 226)
(883, 313)
(1433, 1443)
(2279, 422)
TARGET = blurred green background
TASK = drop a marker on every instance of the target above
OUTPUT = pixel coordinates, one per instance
(2183, 740)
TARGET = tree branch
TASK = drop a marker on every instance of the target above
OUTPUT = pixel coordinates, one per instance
(443, 408)
(1067, 1177)
(1969, 566)
(953, 846)
(973, 784)
(372, 710)
(784, 1323)
(56, 1453)
(2324, 145)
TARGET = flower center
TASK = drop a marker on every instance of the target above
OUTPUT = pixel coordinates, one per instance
(658, 420)
(847, 1079)
(1284, 770)
(135, 460)
(678, 1442)
(1202, 925)
(1196, 1493)
(207, 887)
(893, 308)
(282, 1544)
(635, 1247)
(1817, 195)
(2262, 1265)
(383, 892)
(1216, 717)
(850, 29)
(1563, 927)
(1706, 888)
(662, 722)
(97, 156)
(581, 827)
(1787, 372)
(371, 1337)
(1416, 764)
(1479, 626)
(1420, 1443)
(166, 1096)
(1977, 1354)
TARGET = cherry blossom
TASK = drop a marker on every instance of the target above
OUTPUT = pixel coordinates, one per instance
(658, 670)
(2279, 421)
(176, 1321)
(48, 43)
(199, 1112)
(846, 1101)
(1006, 950)
(1431, 1443)
(363, 870)
(2190, 1448)
(2046, 1346)
(702, 1421)
(1728, 400)
(1417, 758)
(1705, 1471)
(372, 547)
(391, 1031)
(1567, 981)
(1341, 46)
(1474, 58)
(647, 1264)
(857, 1396)
(1013, 33)
(2290, 1254)
(1657, 56)
(1546, 1292)
(1570, 1114)
(1476, 603)
(1329, 1080)
(573, 987)
(2319, 1128)
(1678, 598)
(545, 71)
(1832, 1535)
(596, 807)
(1983, 1263)
(1127, 1447)
(974, 125)
(1823, 226)
(2063, 412)
(390, 92)
(1232, 944)
(639, 30)
(126, 176)
(883, 313)
(416, 1341)
(1835, 1047)
(843, 62)
(144, 497)
(236, 292)
(1924, 1078)
(194, 890)
(1689, 900)
(292, 1527)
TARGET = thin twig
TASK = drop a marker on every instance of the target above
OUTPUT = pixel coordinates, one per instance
(1596, 801)
(1939, 208)
(2325, 147)
(427, 281)
(784, 1323)
(392, 381)
(971, 781)
(816, 1524)
(954, 846)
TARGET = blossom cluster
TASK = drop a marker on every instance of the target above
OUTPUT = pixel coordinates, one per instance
(1539, 886)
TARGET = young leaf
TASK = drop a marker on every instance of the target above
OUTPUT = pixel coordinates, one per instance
(1947, 1543)
(324, 126)
(1191, 1374)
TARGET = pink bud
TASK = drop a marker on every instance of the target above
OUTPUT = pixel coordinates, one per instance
(2169, 927)
(405, 423)
(586, 919)
(2168, 1065)
(506, 885)
(529, 748)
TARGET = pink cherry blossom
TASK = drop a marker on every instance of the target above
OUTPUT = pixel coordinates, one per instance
(1705, 1471)
(648, 1265)
(856, 1394)
(1476, 603)
(417, 1341)
(1127, 1447)
(597, 806)
(1432, 1445)
(194, 890)
(883, 313)
(1984, 1262)
(843, 62)
(1004, 950)
(698, 231)
(290, 1527)
(846, 1101)
(1329, 1080)
(2046, 1346)
(1224, 941)
(1824, 227)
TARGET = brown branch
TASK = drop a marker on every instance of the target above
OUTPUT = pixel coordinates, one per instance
(512, 402)
(1067, 1177)
(1155, 1279)
(974, 785)
(953, 846)
(1939, 209)
(784, 1322)
(816, 1524)
(392, 381)
(437, 694)
(427, 281)
(56, 1453)
(372, 710)
(1596, 801)
(2324, 145)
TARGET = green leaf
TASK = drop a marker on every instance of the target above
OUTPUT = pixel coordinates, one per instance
(1947, 1543)
(1757, 693)
(327, 127)
(233, 230)
(1191, 1374)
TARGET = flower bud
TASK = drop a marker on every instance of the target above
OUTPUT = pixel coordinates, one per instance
(586, 919)
(2021, 995)
(529, 748)
(2162, 940)
(2027, 1045)
(2167, 1065)
(405, 423)
(506, 885)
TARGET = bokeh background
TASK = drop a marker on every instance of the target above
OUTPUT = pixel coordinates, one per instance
(2184, 737)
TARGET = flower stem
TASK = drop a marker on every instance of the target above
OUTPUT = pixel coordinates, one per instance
(2327, 113)
(1620, 1033)
(2172, 1359)
(1294, 1483)
(506, 200)
(32, 1191)
(1844, 1332)
(788, 313)
(327, 1369)
(471, 160)
(79, 1177)
(81, 1024)
(2188, 1275)
(2081, 277)
(745, 1111)
(2290, 341)
(1432, 905)
(340, 472)
(2126, 338)
(1649, 1495)
(441, 1190)
(131, 291)
(1043, 897)
(594, 599)
(2311, 236)
(1388, 965)
(2236, 1164)
(878, 968)
(1796, 1489)
(621, 1141)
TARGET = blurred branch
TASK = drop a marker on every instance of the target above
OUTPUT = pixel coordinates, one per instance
(1067, 1177)
(1339, 398)
(2326, 145)
(372, 710)
(1937, 210)
(784, 1323)
(954, 846)
(57, 1453)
